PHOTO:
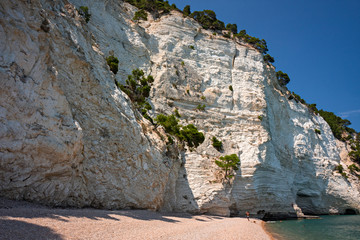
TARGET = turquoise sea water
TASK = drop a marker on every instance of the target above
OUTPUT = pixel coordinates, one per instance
(345, 227)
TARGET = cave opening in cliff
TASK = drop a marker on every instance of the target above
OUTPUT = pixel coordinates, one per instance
(350, 211)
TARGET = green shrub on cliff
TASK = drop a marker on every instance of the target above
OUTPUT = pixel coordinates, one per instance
(169, 123)
(282, 77)
(191, 135)
(138, 88)
(177, 114)
(228, 163)
(208, 20)
(84, 11)
(227, 34)
(188, 133)
(113, 63)
(232, 28)
(156, 7)
(216, 143)
(297, 98)
(336, 123)
(201, 107)
(186, 10)
(259, 44)
(354, 168)
(268, 58)
(312, 107)
(355, 147)
(339, 168)
(355, 156)
(141, 14)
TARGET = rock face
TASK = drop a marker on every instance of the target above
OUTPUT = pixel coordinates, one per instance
(69, 137)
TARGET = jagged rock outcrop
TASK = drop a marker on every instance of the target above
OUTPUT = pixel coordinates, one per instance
(69, 137)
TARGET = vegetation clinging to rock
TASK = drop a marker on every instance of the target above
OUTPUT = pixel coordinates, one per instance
(170, 124)
(138, 89)
(191, 135)
(201, 107)
(232, 28)
(355, 149)
(208, 20)
(259, 44)
(297, 98)
(216, 143)
(228, 163)
(340, 170)
(84, 11)
(283, 78)
(336, 123)
(177, 114)
(268, 58)
(188, 133)
(227, 35)
(113, 63)
(141, 14)
(156, 7)
(186, 10)
(354, 168)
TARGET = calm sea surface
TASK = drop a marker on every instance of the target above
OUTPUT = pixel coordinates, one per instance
(326, 228)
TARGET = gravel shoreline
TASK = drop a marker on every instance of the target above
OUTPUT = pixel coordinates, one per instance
(23, 220)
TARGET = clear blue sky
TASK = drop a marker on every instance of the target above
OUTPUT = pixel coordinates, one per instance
(316, 42)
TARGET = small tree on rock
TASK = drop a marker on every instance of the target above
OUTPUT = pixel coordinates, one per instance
(216, 144)
(84, 11)
(283, 78)
(138, 89)
(268, 58)
(232, 28)
(140, 15)
(169, 123)
(191, 135)
(228, 163)
(113, 63)
(186, 10)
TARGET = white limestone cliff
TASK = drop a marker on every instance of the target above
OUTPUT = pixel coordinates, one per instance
(69, 137)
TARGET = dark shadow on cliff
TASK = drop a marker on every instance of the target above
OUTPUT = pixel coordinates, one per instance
(185, 200)
(15, 229)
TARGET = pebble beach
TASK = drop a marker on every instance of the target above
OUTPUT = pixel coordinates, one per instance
(22, 220)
